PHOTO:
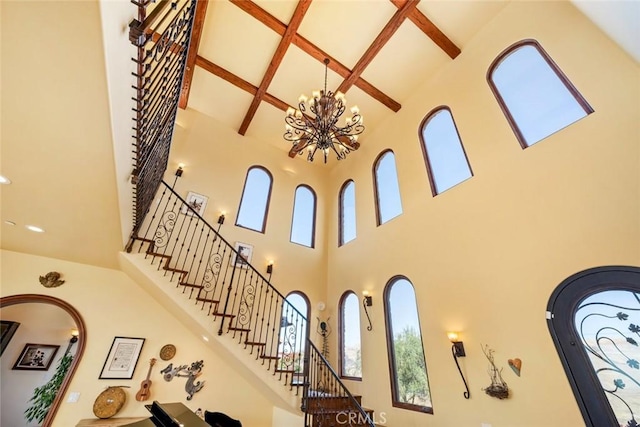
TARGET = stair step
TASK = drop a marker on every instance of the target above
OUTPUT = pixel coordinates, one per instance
(233, 328)
(264, 356)
(189, 285)
(176, 270)
(158, 254)
(285, 371)
(212, 301)
(255, 344)
(223, 315)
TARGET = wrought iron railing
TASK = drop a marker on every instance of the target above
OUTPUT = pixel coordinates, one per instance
(161, 33)
(326, 401)
(222, 283)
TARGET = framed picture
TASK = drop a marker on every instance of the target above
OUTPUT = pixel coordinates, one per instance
(197, 202)
(244, 251)
(7, 329)
(122, 358)
(36, 357)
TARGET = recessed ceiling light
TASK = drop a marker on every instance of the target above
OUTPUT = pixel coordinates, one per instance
(4, 180)
(205, 338)
(9, 222)
(34, 228)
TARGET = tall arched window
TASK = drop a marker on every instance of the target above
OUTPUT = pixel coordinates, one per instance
(594, 319)
(294, 330)
(386, 188)
(444, 155)
(350, 344)
(534, 94)
(303, 223)
(254, 203)
(408, 368)
(347, 220)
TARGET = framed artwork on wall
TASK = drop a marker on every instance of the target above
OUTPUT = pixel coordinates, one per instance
(197, 202)
(36, 357)
(245, 251)
(7, 329)
(122, 358)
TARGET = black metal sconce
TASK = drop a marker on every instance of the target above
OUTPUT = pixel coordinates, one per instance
(457, 350)
(270, 269)
(74, 339)
(220, 220)
(367, 301)
(178, 174)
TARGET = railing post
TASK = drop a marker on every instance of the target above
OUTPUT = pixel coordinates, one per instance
(226, 302)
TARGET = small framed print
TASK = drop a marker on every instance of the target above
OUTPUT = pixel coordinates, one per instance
(36, 357)
(243, 259)
(122, 358)
(197, 202)
(7, 329)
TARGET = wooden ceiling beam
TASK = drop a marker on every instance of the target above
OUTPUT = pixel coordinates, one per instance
(196, 34)
(281, 50)
(228, 76)
(314, 51)
(430, 29)
(392, 26)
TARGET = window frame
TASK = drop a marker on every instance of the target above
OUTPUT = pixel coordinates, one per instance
(376, 193)
(423, 146)
(343, 188)
(341, 325)
(313, 222)
(267, 204)
(561, 309)
(552, 65)
(391, 351)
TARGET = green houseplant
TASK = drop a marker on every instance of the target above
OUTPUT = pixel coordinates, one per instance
(44, 395)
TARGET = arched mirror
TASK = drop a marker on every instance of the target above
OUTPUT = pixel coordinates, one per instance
(36, 336)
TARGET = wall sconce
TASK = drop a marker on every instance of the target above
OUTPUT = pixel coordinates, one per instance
(220, 220)
(178, 174)
(457, 350)
(74, 339)
(367, 301)
(270, 269)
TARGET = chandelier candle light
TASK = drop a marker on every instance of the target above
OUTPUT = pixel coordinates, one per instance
(321, 131)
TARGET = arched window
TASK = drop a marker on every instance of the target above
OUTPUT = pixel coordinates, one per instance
(294, 330)
(387, 191)
(303, 224)
(534, 94)
(594, 319)
(254, 203)
(444, 155)
(347, 220)
(350, 345)
(408, 368)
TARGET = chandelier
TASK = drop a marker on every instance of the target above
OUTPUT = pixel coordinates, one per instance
(321, 131)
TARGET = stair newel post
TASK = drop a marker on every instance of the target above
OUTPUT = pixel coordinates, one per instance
(226, 301)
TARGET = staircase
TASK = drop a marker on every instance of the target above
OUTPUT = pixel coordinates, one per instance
(192, 269)
(212, 280)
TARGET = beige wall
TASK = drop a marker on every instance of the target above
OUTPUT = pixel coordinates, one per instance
(112, 305)
(485, 256)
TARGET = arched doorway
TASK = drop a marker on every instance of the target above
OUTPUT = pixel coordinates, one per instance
(594, 319)
(80, 345)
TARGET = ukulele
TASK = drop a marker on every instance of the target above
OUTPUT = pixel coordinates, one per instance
(145, 386)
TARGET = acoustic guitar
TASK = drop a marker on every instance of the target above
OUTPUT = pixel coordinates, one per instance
(145, 386)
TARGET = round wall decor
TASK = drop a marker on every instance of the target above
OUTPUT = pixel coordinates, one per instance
(167, 352)
(109, 402)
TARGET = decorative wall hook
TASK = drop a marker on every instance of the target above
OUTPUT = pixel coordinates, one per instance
(457, 350)
(367, 301)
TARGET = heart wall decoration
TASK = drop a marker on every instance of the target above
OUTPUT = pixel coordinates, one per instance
(516, 365)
